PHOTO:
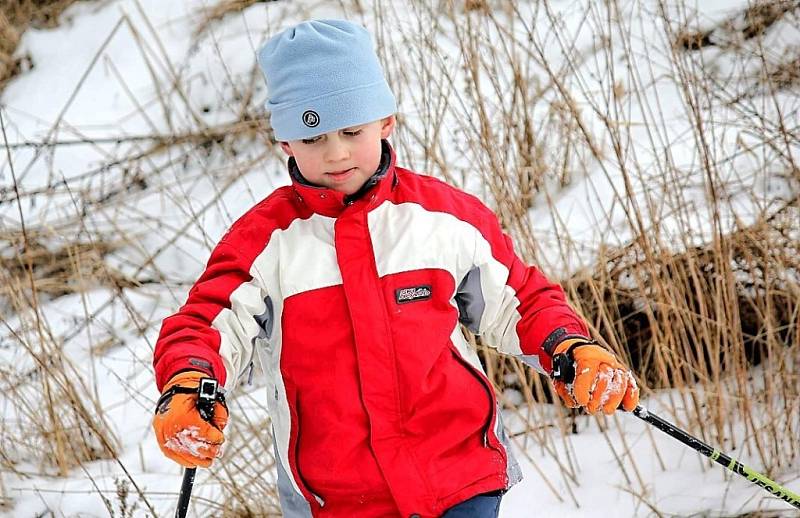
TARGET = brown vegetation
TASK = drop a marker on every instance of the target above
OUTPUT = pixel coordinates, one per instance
(15, 17)
(750, 23)
(712, 314)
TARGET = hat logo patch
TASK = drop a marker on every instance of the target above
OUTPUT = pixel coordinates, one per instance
(412, 294)
(311, 118)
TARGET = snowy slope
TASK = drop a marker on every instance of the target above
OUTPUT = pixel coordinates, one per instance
(118, 76)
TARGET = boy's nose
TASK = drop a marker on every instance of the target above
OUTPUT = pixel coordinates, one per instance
(336, 151)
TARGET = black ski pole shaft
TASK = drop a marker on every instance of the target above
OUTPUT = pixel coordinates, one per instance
(186, 492)
(714, 454)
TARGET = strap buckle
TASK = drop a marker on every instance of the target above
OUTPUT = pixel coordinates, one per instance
(208, 394)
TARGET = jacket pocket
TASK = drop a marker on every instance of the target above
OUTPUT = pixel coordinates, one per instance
(489, 390)
(294, 452)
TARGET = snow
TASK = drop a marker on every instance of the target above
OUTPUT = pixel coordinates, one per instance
(190, 441)
(109, 71)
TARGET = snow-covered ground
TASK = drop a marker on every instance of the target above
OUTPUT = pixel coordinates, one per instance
(103, 85)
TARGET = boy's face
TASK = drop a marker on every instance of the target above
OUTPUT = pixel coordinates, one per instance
(341, 160)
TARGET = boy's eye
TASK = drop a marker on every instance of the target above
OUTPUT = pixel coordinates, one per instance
(309, 140)
(352, 133)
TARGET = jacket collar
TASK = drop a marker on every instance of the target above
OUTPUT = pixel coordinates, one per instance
(329, 202)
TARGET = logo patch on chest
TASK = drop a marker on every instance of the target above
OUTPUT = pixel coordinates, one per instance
(412, 294)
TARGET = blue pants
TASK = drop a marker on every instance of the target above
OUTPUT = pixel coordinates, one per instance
(486, 505)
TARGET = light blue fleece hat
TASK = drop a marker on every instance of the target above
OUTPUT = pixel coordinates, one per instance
(323, 75)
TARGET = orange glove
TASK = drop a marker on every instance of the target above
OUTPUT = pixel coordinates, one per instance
(599, 379)
(182, 433)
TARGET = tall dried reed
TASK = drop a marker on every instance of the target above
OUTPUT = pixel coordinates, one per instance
(691, 273)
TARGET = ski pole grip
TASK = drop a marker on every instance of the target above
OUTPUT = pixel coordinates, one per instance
(564, 367)
(207, 395)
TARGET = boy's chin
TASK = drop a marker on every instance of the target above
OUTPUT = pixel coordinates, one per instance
(345, 190)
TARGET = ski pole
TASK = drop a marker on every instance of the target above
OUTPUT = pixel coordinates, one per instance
(564, 370)
(207, 395)
(714, 454)
(186, 492)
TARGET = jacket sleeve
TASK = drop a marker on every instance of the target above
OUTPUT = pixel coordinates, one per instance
(513, 306)
(214, 331)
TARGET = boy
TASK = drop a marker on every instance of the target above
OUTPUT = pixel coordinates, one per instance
(350, 285)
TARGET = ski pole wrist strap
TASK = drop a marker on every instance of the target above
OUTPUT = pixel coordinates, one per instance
(564, 362)
(207, 391)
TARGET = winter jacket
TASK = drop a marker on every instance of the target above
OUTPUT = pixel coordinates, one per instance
(379, 405)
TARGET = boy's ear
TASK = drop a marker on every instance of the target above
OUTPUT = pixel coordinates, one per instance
(286, 148)
(387, 126)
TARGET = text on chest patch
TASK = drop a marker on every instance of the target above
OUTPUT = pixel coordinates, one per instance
(412, 294)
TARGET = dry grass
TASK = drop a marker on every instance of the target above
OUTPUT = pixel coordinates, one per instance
(521, 123)
(750, 23)
(72, 268)
(15, 17)
(217, 12)
(701, 319)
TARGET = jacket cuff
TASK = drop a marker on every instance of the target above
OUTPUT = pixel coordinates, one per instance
(189, 363)
(558, 336)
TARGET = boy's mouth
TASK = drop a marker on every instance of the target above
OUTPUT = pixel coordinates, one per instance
(341, 175)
